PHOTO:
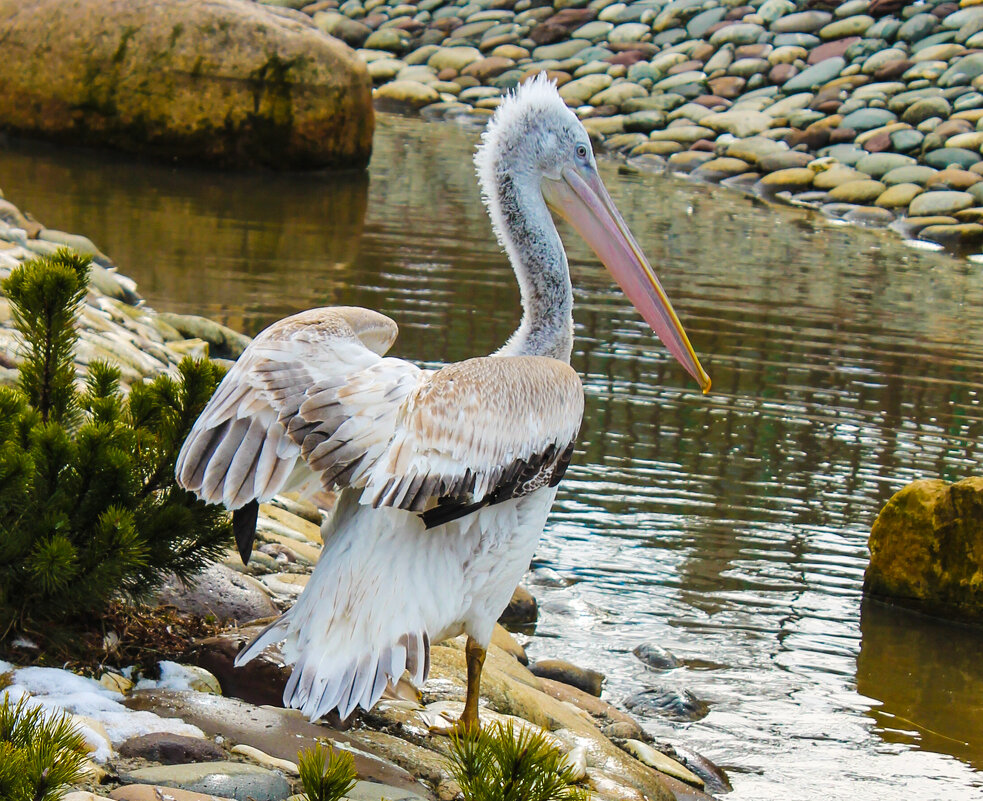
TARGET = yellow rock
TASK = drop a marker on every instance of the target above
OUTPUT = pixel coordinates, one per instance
(656, 759)
(116, 682)
(265, 760)
(304, 528)
(82, 795)
(925, 549)
(504, 640)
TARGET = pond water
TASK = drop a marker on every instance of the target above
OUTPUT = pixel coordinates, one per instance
(730, 529)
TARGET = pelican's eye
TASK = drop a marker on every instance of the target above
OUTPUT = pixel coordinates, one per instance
(581, 151)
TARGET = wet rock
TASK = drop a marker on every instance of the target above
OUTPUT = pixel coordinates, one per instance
(862, 191)
(260, 681)
(953, 178)
(918, 174)
(964, 236)
(655, 656)
(924, 549)
(898, 196)
(867, 118)
(925, 109)
(410, 94)
(279, 732)
(940, 203)
(522, 609)
(951, 157)
(179, 79)
(669, 703)
(877, 165)
(739, 123)
(911, 226)
(589, 681)
(223, 342)
(815, 76)
(220, 593)
(236, 780)
(662, 763)
(802, 22)
(869, 217)
(171, 749)
(718, 169)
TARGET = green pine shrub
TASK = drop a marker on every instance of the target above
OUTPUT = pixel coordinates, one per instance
(89, 509)
(40, 754)
(496, 763)
(326, 774)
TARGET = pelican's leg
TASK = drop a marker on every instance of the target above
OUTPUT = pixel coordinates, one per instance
(475, 656)
(468, 722)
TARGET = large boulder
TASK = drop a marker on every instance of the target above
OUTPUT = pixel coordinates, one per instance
(227, 81)
(926, 549)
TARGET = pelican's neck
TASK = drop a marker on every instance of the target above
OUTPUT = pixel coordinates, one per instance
(526, 230)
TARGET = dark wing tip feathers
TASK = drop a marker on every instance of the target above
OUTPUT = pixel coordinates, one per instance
(244, 529)
(520, 478)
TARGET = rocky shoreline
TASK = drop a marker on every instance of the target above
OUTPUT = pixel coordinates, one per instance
(204, 730)
(870, 111)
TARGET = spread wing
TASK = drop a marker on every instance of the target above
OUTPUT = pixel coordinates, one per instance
(240, 451)
(313, 397)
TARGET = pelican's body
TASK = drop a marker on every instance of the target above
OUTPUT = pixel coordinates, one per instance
(446, 477)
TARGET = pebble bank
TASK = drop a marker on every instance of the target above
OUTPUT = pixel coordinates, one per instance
(869, 110)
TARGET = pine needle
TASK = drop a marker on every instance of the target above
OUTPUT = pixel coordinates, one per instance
(326, 773)
(500, 764)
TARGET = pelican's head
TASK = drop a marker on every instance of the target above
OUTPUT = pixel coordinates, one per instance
(535, 140)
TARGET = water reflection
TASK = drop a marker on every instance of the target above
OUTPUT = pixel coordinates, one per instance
(926, 675)
(731, 528)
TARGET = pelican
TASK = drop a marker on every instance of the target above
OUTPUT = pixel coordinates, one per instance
(445, 477)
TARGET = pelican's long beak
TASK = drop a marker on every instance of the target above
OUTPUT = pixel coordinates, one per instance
(581, 199)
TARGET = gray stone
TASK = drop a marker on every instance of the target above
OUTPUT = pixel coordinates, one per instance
(929, 204)
(962, 70)
(815, 76)
(371, 791)
(877, 165)
(171, 749)
(741, 34)
(668, 702)
(865, 119)
(951, 157)
(916, 28)
(885, 28)
(906, 140)
(802, 22)
(280, 733)
(926, 108)
(697, 27)
(243, 782)
(970, 100)
(656, 657)
(221, 593)
(560, 50)
(917, 174)
(223, 341)
(806, 40)
(845, 154)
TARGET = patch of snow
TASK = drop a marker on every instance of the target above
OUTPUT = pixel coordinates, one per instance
(58, 691)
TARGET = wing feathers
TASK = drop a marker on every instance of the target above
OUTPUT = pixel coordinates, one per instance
(309, 391)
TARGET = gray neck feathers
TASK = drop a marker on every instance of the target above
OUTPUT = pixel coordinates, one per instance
(526, 230)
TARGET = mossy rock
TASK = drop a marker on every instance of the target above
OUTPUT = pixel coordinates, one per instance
(926, 549)
(227, 82)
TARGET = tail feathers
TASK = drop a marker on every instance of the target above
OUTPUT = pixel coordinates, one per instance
(321, 682)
